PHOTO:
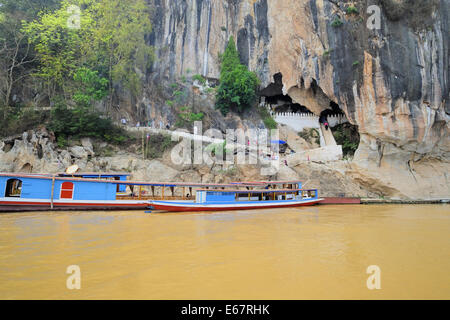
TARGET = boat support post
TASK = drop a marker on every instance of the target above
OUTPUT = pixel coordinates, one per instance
(53, 192)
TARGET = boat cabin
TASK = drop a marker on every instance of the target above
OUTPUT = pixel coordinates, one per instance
(227, 196)
(103, 176)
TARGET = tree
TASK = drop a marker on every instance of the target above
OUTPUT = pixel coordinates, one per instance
(90, 87)
(238, 86)
(119, 37)
(230, 57)
(27, 9)
(17, 60)
(61, 50)
(110, 40)
(15, 55)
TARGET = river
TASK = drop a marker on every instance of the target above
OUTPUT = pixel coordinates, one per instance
(320, 252)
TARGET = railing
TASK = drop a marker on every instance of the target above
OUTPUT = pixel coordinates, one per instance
(333, 120)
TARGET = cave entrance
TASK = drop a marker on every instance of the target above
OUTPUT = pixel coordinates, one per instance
(272, 97)
(286, 111)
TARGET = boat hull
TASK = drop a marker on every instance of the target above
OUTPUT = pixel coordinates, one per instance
(45, 205)
(179, 207)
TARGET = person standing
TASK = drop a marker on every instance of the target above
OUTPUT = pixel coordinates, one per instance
(323, 119)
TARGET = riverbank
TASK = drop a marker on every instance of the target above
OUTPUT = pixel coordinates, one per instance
(399, 201)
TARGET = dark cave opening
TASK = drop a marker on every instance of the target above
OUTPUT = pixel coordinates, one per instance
(345, 134)
(273, 97)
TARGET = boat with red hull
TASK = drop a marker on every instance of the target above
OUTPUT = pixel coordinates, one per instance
(226, 200)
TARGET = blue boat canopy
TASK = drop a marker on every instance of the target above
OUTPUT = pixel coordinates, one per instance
(278, 142)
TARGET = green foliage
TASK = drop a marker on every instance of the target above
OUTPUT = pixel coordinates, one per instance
(327, 53)
(238, 86)
(82, 122)
(179, 95)
(352, 10)
(90, 87)
(58, 47)
(217, 149)
(27, 9)
(347, 135)
(111, 40)
(356, 63)
(337, 23)
(196, 116)
(210, 90)
(186, 117)
(199, 78)
(170, 103)
(268, 120)
(119, 43)
(19, 119)
(84, 65)
(230, 58)
(157, 144)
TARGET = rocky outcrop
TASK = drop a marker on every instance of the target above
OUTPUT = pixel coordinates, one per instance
(35, 152)
(392, 81)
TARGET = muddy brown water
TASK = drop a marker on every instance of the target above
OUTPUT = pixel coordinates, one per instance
(320, 252)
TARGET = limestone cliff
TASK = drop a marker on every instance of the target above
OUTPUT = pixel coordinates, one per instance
(392, 82)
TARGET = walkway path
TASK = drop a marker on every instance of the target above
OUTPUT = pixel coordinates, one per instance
(327, 136)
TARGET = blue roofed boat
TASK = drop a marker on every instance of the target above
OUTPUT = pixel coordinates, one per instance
(113, 191)
(32, 192)
(224, 200)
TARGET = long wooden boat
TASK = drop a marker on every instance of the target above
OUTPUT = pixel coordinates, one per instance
(224, 200)
(106, 191)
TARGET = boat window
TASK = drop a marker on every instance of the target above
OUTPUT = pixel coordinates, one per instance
(13, 188)
(242, 197)
(67, 190)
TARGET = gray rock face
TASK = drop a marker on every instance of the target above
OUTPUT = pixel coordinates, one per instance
(78, 152)
(392, 82)
(87, 145)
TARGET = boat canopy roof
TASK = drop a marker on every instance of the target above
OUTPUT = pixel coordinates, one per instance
(259, 183)
(255, 191)
(78, 177)
(127, 182)
(95, 174)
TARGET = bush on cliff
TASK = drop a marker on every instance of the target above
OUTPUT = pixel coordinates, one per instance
(267, 118)
(347, 136)
(15, 120)
(80, 121)
(238, 86)
(157, 144)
